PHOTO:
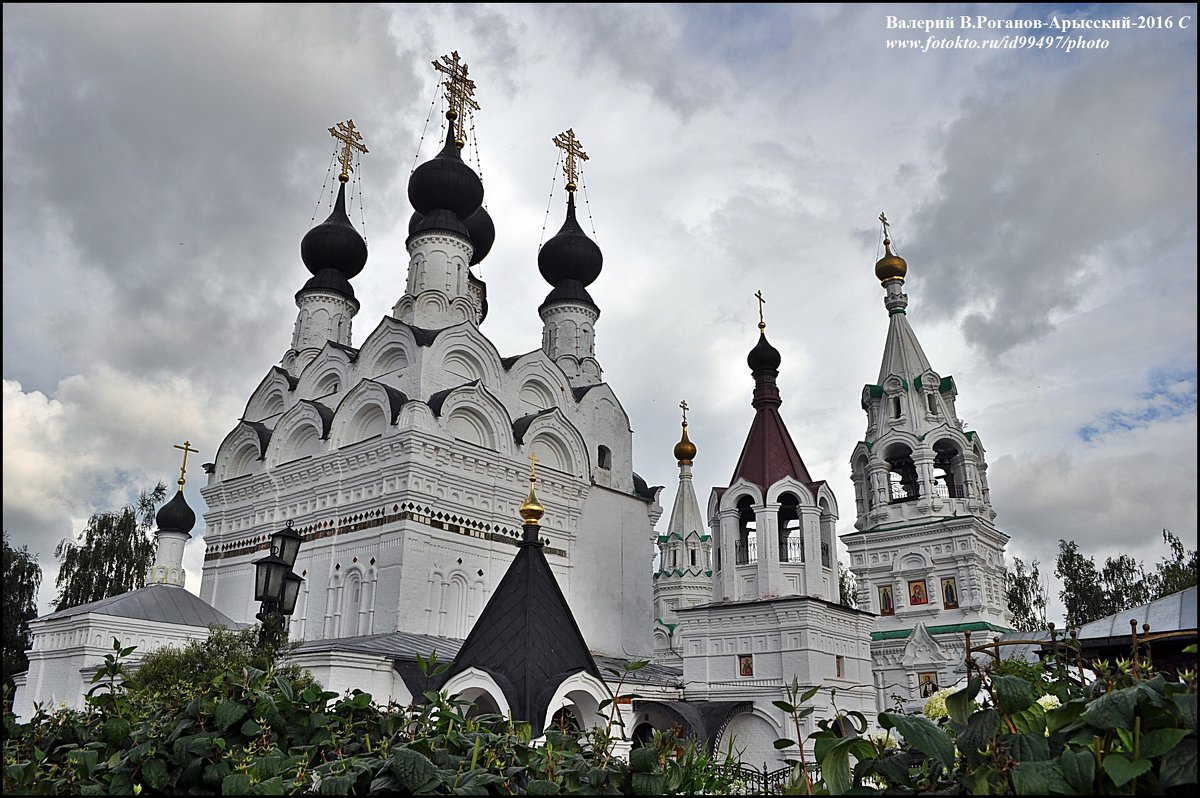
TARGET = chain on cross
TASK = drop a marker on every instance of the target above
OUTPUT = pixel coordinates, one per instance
(351, 140)
(186, 447)
(762, 325)
(460, 89)
(570, 145)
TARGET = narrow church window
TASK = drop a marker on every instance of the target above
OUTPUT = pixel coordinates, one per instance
(604, 457)
(895, 407)
(840, 663)
(692, 555)
(932, 404)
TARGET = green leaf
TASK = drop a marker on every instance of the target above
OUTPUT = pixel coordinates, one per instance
(1158, 742)
(1039, 778)
(1122, 770)
(981, 728)
(809, 693)
(923, 735)
(785, 706)
(114, 731)
(541, 787)
(1079, 769)
(156, 774)
(1179, 765)
(961, 703)
(835, 767)
(1185, 703)
(1060, 716)
(1030, 720)
(1028, 747)
(285, 687)
(272, 786)
(784, 742)
(1112, 710)
(1012, 693)
(894, 769)
(229, 713)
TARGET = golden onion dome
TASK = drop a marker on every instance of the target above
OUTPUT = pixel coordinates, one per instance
(685, 450)
(890, 266)
(532, 510)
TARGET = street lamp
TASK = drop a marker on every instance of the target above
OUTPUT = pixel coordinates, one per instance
(276, 586)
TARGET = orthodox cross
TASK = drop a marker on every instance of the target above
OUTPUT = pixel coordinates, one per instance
(460, 89)
(887, 233)
(570, 146)
(187, 447)
(351, 140)
(762, 325)
(532, 467)
(683, 406)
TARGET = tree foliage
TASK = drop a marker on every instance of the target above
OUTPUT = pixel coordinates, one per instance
(22, 579)
(847, 587)
(114, 555)
(1026, 597)
(1090, 593)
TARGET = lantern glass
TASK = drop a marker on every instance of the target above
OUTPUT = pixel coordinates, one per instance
(291, 590)
(269, 572)
(285, 544)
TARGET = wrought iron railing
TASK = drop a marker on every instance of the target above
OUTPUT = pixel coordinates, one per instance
(903, 493)
(949, 491)
(791, 549)
(745, 551)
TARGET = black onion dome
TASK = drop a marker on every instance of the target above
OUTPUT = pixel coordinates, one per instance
(175, 515)
(439, 219)
(334, 243)
(569, 291)
(570, 255)
(329, 280)
(483, 233)
(763, 357)
(446, 182)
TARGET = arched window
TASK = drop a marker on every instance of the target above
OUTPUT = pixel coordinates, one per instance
(895, 407)
(903, 483)
(932, 404)
(948, 464)
(791, 542)
(604, 457)
(746, 550)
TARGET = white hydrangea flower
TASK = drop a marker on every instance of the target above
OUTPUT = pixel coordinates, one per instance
(1049, 702)
(935, 706)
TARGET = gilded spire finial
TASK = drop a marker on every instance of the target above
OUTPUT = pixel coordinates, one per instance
(762, 325)
(351, 140)
(891, 267)
(570, 145)
(459, 90)
(187, 447)
(685, 450)
(532, 510)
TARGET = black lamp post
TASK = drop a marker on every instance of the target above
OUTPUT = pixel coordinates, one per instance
(276, 586)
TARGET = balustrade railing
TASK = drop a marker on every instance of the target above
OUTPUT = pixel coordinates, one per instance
(745, 551)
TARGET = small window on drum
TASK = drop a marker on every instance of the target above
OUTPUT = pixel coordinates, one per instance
(604, 458)
(932, 405)
(895, 407)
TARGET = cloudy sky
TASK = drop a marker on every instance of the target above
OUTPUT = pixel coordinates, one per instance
(161, 164)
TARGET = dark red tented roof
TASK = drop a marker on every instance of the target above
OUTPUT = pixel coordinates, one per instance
(769, 454)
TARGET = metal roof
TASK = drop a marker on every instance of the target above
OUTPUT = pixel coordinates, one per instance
(159, 603)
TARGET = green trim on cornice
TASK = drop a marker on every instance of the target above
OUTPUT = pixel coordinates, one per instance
(970, 434)
(973, 626)
(946, 385)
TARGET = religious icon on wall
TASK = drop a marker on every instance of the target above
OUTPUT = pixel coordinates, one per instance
(886, 607)
(745, 664)
(949, 593)
(916, 593)
(927, 683)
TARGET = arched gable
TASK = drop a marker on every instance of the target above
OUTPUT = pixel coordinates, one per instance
(243, 450)
(369, 408)
(465, 352)
(740, 488)
(793, 486)
(274, 395)
(825, 494)
(909, 561)
(301, 431)
(472, 683)
(391, 346)
(538, 381)
(472, 413)
(583, 694)
(557, 442)
(328, 373)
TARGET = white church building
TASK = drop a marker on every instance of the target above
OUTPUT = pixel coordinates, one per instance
(400, 459)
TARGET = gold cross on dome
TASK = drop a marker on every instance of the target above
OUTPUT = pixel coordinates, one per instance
(684, 407)
(567, 142)
(887, 233)
(533, 466)
(459, 89)
(187, 447)
(351, 140)
(762, 325)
